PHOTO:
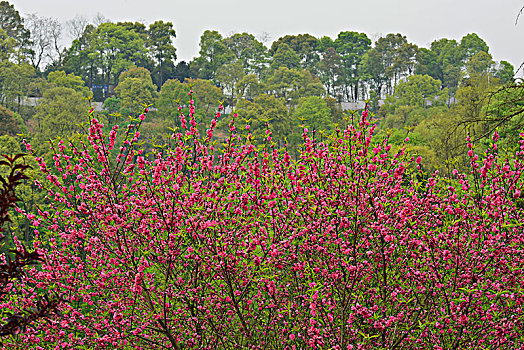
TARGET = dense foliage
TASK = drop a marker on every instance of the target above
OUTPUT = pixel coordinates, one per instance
(348, 246)
(291, 218)
(127, 64)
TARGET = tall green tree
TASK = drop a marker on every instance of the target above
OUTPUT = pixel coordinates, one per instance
(286, 57)
(137, 27)
(373, 71)
(427, 63)
(385, 64)
(324, 43)
(229, 75)
(480, 64)
(390, 47)
(331, 71)
(416, 91)
(71, 81)
(315, 113)
(103, 52)
(292, 84)
(472, 97)
(206, 96)
(351, 47)
(172, 93)
(440, 62)
(182, 71)
(13, 25)
(448, 61)
(452, 76)
(115, 48)
(266, 111)
(60, 113)
(249, 51)
(249, 87)
(15, 80)
(135, 87)
(161, 48)
(63, 107)
(213, 54)
(470, 45)
(505, 72)
(405, 58)
(448, 51)
(304, 45)
(7, 46)
(78, 60)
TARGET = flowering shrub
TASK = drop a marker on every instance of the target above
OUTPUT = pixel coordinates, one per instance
(347, 247)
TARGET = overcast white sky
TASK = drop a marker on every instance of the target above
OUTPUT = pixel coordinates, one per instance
(422, 21)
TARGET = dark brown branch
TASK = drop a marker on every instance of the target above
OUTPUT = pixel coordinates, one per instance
(13, 269)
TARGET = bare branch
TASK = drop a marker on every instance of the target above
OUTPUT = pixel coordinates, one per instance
(518, 15)
(100, 19)
(76, 26)
(46, 34)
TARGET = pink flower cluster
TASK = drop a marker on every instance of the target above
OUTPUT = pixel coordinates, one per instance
(347, 247)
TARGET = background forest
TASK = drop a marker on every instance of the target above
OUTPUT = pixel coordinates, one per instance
(431, 95)
(311, 192)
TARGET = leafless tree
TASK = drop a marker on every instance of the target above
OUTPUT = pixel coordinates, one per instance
(46, 35)
(39, 38)
(264, 38)
(76, 26)
(99, 19)
(57, 52)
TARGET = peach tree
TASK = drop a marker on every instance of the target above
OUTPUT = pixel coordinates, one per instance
(348, 246)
